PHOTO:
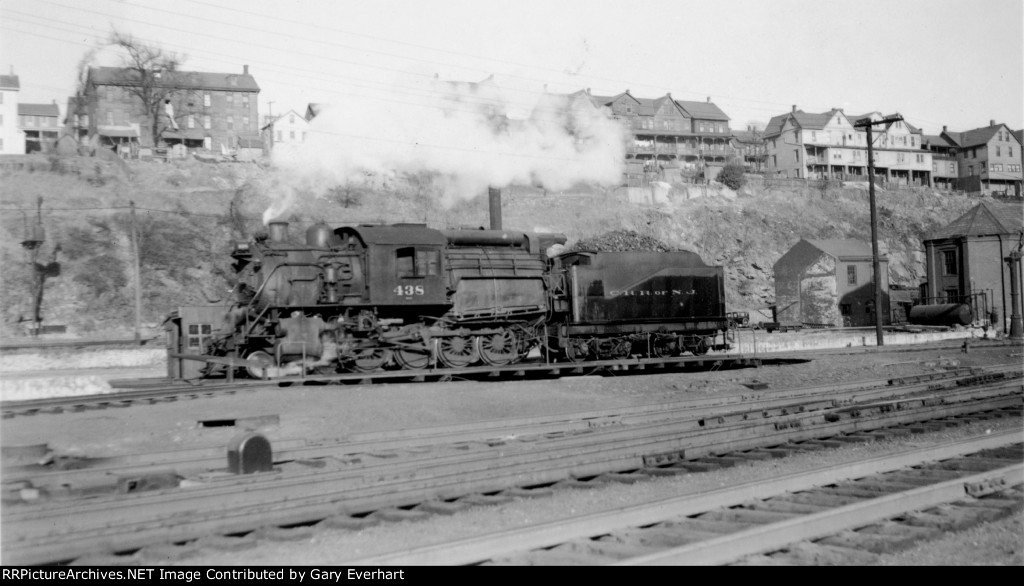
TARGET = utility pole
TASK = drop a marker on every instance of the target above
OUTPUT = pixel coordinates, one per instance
(867, 124)
(138, 277)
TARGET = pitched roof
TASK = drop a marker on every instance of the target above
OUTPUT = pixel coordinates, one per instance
(703, 110)
(121, 76)
(9, 82)
(984, 219)
(975, 137)
(936, 140)
(38, 110)
(846, 248)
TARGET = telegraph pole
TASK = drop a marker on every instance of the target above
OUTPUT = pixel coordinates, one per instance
(867, 124)
(138, 277)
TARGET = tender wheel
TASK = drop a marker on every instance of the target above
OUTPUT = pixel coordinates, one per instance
(577, 349)
(664, 347)
(456, 351)
(371, 359)
(411, 359)
(498, 349)
(259, 361)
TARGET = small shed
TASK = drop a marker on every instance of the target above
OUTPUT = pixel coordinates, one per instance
(829, 283)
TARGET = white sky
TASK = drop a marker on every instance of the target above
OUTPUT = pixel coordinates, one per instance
(937, 62)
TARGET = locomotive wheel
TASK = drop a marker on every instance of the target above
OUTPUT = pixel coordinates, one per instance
(498, 349)
(371, 359)
(411, 359)
(577, 349)
(457, 351)
(699, 349)
(258, 361)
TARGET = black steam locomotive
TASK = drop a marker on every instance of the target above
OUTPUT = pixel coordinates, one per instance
(404, 296)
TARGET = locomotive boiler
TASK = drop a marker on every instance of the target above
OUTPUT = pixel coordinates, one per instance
(408, 297)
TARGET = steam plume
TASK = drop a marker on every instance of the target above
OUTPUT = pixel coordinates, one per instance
(464, 136)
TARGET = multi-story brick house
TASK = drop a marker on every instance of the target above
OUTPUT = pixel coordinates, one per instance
(670, 137)
(989, 158)
(827, 145)
(12, 140)
(41, 125)
(210, 111)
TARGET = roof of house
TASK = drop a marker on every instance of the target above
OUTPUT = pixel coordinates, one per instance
(38, 110)
(748, 136)
(975, 137)
(703, 110)
(121, 76)
(937, 140)
(982, 220)
(9, 82)
(846, 248)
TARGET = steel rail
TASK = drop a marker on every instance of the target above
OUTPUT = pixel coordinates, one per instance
(688, 415)
(486, 547)
(183, 514)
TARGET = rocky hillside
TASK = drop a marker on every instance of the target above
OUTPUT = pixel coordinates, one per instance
(187, 213)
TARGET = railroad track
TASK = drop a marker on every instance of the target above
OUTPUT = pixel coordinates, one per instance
(846, 514)
(343, 488)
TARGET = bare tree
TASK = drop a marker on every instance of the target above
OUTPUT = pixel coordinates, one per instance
(148, 73)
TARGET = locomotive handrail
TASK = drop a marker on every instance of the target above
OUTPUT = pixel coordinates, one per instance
(250, 324)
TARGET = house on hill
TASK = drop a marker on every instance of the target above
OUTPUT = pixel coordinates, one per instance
(12, 139)
(965, 260)
(199, 110)
(989, 159)
(41, 125)
(830, 283)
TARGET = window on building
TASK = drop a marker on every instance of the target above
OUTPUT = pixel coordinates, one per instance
(245, 100)
(207, 123)
(291, 119)
(845, 309)
(231, 122)
(851, 275)
(191, 121)
(814, 136)
(949, 266)
(935, 167)
(999, 151)
(912, 141)
(952, 169)
(110, 118)
(970, 169)
(206, 99)
(245, 123)
(1009, 151)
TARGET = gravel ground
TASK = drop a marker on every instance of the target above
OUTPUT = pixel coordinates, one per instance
(333, 411)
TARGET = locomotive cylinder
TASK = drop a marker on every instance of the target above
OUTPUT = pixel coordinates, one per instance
(944, 314)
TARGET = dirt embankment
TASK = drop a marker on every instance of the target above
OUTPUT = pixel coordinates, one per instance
(187, 213)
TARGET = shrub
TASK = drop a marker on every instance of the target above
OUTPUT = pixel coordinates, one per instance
(732, 176)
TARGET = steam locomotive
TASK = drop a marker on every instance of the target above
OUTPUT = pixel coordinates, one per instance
(405, 296)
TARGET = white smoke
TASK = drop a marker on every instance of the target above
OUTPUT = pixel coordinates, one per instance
(465, 136)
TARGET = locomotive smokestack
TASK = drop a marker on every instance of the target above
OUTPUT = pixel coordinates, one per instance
(494, 195)
(278, 231)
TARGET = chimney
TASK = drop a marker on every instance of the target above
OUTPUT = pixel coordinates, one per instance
(709, 99)
(588, 91)
(494, 195)
(943, 128)
(794, 108)
(991, 122)
(245, 70)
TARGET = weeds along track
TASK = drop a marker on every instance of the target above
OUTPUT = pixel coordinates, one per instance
(130, 502)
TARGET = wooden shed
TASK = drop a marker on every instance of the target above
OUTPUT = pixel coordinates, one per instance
(829, 283)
